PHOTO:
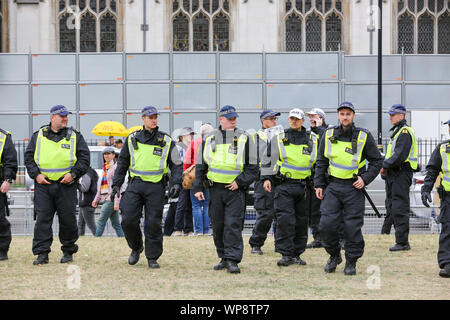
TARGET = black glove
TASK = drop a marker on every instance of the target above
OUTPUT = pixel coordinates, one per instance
(426, 197)
(174, 191)
(115, 190)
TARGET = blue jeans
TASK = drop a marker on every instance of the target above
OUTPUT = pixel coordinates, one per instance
(106, 212)
(200, 213)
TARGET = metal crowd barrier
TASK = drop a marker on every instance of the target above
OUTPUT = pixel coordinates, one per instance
(22, 223)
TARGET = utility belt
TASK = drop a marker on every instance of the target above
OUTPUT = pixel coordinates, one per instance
(209, 184)
(342, 181)
(164, 180)
(281, 178)
(405, 166)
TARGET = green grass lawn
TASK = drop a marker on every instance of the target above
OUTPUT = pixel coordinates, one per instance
(186, 273)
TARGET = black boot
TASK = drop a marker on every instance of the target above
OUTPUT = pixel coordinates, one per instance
(445, 271)
(153, 264)
(222, 265)
(316, 243)
(333, 263)
(285, 261)
(41, 259)
(3, 255)
(134, 256)
(232, 267)
(67, 257)
(400, 247)
(299, 261)
(350, 268)
(257, 250)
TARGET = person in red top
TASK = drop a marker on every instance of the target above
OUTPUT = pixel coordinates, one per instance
(199, 207)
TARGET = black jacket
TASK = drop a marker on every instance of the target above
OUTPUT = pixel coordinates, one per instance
(244, 179)
(434, 167)
(86, 198)
(9, 159)
(370, 152)
(319, 130)
(82, 152)
(402, 147)
(151, 138)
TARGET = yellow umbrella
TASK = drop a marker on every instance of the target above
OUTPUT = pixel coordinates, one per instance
(110, 128)
(133, 129)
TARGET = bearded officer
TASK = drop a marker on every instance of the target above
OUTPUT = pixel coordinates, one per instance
(343, 151)
(295, 152)
(228, 168)
(56, 157)
(147, 154)
(439, 165)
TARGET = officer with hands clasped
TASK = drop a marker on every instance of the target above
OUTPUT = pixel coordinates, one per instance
(55, 158)
(397, 171)
(8, 170)
(227, 168)
(147, 154)
(439, 165)
(294, 152)
(343, 152)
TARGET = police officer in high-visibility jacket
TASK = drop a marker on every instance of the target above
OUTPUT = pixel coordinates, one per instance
(147, 154)
(263, 203)
(343, 152)
(8, 170)
(55, 158)
(228, 168)
(398, 166)
(295, 150)
(439, 164)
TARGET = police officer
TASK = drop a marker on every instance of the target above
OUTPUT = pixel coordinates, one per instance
(8, 170)
(296, 152)
(318, 126)
(229, 168)
(398, 166)
(343, 152)
(263, 200)
(147, 154)
(439, 164)
(56, 157)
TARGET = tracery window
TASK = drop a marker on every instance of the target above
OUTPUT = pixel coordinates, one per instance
(313, 25)
(88, 25)
(423, 26)
(200, 25)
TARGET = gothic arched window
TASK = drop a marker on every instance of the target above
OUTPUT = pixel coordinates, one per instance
(88, 25)
(306, 22)
(200, 25)
(423, 26)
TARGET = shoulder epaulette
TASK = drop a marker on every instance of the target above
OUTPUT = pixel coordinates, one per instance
(363, 129)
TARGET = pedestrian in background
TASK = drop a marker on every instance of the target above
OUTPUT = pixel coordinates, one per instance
(87, 187)
(183, 213)
(118, 144)
(199, 207)
(110, 209)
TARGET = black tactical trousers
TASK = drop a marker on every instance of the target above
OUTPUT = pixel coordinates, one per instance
(314, 215)
(265, 215)
(183, 213)
(292, 219)
(48, 199)
(397, 202)
(227, 213)
(342, 204)
(150, 196)
(444, 238)
(5, 226)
